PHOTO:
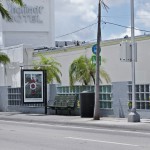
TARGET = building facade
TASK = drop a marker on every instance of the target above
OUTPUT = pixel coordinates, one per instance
(117, 70)
(19, 55)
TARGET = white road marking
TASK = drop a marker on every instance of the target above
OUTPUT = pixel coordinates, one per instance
(99, 141)
(75, 127)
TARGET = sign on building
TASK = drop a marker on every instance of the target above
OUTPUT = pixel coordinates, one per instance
(126, 51)
(32, 24)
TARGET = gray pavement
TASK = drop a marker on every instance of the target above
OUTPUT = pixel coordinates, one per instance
(104, 122)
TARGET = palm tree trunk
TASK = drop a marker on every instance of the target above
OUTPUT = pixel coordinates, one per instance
(5, 75)
(93, 78)
(97, 104)
(85, 83)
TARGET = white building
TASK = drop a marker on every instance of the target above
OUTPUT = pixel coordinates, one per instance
(33, 24)
(118, 71)
(20, 55)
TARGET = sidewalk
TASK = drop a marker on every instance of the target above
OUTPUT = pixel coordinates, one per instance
(105, 122)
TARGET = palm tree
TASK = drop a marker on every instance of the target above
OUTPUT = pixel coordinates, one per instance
(51, 66)
(78, 71)
(83, 70)
(4, 59)
(4, 12)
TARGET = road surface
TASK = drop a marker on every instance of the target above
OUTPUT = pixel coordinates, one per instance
(35, 136)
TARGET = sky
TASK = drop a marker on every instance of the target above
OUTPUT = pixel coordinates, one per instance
(73, 15)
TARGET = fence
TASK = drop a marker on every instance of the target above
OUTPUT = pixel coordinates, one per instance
(14, 98)
(14, 95)
(114, 99)
(105, 93)
(142, 96)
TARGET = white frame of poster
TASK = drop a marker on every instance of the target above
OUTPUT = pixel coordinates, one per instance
(33, 85)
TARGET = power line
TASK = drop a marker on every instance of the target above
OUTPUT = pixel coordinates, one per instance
(76, 30)
(105, 22)
(124, 26)
(127, 16)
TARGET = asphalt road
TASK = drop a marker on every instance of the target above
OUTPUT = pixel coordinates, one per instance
(35, 136)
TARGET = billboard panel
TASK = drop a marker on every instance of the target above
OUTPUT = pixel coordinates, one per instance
(33, 86)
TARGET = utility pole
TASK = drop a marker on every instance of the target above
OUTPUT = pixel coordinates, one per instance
(133, 115)
(97, 103)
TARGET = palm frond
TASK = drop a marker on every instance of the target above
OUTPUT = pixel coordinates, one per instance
(4, 59)
(19, 2)
(82, 70)
(5, 14)
(51, 66)
(104, 75)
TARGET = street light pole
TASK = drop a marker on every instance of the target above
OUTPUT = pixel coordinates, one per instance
(133, 55)
(133, 116)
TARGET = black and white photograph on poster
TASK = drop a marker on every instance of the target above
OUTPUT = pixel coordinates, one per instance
(33, 86)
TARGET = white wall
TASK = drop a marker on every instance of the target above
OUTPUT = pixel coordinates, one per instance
(32, 24)
(19, 55)
(121, 71)
(118, 71)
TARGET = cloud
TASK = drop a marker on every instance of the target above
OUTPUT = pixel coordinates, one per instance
(71, 15)
(122, 35)
(143, 15)
(83, 9)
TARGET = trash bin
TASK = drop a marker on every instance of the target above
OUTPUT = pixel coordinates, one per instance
(87, 104)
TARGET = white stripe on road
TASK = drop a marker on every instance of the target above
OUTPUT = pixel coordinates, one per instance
(107, 142)
(75, 127)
